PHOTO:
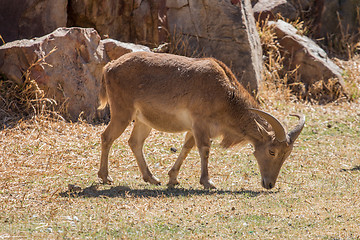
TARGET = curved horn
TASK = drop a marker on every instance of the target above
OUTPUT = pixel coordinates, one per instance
(293, 134)
(280, 132)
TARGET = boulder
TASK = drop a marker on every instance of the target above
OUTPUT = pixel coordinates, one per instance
(31, 18)
(269, 9)
(72, 73)
(312, 61)
(225, 30)
(130, 21)
(114, 49)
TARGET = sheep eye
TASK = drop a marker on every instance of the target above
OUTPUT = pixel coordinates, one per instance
(271, 153)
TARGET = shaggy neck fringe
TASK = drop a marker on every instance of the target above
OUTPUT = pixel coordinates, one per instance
(228, 142)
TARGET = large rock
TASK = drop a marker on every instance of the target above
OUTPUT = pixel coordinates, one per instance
(222, 29)
(72, 73)
(129, 21)
(114, 49)
(269, 9)
(312, 61)
(31, 18)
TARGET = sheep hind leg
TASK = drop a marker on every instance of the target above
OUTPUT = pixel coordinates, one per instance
(136, 142)
(115, 128)
(202, 139)
(174, 171)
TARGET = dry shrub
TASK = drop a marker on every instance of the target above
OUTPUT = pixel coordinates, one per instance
(284, 83)
(25, 100)
(276, 74)
(351, 76)
(346, 44)
(183, 44)
(343, 44)
(321, 92)
(2, 40)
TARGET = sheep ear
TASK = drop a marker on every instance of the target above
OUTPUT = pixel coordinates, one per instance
(262, 130)
(278, 128)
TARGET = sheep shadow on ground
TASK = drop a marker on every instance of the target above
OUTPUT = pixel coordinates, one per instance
(353, 169)
(125, 191)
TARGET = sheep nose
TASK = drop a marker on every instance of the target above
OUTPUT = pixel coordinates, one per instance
(267, 185)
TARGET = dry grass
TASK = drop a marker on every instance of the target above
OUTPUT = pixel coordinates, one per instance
(351, 76)
(316, 197)
(48, 178)
(276, 76)
(22, 101)
(346, 44)
(26, 100)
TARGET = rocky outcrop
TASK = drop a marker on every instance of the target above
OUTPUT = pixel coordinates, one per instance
(31, 18)
(72, 73)
(222, 29)
(312, 62)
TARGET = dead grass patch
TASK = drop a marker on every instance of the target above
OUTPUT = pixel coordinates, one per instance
(315, 197)
(26, 100)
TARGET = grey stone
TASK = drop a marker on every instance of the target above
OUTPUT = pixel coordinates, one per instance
(224, 30)
(268, 9)
(72, 73)
(312, 61)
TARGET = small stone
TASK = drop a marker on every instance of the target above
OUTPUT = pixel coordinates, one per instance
(74, 188)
